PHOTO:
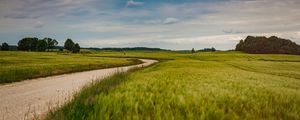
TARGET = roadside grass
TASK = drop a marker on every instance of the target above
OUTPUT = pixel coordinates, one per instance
(222, 85)
(18, 66)
(82, 104)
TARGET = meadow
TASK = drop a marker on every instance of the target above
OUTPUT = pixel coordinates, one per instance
(220, 85)
(17, 66)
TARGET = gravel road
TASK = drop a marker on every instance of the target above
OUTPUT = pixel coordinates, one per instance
(31, 99)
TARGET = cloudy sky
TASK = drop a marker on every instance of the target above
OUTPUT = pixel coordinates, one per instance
(170, 24)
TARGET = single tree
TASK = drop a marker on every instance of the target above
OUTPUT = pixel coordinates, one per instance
(24, 44)
(213, 49)
(69, 44)
(42, 45)
(5, 47)
(193, 50)
(76, 48)
(51, 43)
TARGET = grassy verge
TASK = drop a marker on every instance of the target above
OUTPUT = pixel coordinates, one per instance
(18, 66)
(222, 85)
(83, 103)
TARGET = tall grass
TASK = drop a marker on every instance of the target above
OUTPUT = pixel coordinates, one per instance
(18, 66)
(198, 86)
(83, 103)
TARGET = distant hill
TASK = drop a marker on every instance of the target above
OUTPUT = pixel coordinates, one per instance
(271, 45)
(129, 49)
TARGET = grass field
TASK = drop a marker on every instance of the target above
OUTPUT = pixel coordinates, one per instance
(221, 85)
(17, 66)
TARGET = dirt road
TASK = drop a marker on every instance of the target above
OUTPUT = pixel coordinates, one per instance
(32, 98)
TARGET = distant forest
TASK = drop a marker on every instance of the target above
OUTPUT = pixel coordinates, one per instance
(129, 49)
(271, 45)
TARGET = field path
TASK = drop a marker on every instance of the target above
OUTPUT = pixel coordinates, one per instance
(32, 98)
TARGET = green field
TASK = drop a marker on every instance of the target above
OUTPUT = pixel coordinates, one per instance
(221, 85)
(17, 66)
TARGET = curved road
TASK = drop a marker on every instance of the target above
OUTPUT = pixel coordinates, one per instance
(32, 98)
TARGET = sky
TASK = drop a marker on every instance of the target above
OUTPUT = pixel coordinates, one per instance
(168, 24)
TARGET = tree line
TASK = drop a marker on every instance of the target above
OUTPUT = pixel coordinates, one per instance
(35, 44)
(41, 45)
(130, 49)
(271, 45)
(204, 50)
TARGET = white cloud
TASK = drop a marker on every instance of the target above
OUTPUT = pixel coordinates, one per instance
(170, 20)
(132, 3)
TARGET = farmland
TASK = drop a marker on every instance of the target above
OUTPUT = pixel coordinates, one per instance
(220, 85)
(17, 66)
